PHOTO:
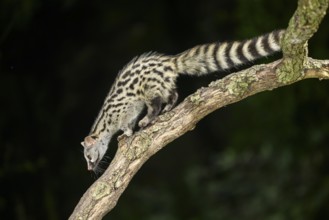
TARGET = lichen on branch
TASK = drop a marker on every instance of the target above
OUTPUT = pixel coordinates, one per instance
(302, 26)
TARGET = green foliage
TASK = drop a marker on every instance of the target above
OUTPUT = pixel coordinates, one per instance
(262, 158)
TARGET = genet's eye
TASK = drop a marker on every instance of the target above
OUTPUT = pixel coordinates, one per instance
(88, 157)
(94, 137)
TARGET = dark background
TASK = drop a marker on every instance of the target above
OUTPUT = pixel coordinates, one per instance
(265, 157)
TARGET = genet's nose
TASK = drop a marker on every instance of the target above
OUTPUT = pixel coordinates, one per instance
(91, 166)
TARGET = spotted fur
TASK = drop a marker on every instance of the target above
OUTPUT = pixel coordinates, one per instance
(149, 81)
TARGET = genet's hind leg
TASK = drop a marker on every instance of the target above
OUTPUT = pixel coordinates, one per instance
(153, 110)
(171, 101)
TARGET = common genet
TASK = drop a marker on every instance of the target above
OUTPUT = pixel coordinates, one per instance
(149, 81)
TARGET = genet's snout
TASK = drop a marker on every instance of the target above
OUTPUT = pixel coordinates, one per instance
(91, 166)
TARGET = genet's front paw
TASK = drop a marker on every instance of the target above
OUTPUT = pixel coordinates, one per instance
(128, 132)
(143, 123)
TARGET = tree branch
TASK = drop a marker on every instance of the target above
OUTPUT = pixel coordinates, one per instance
(134, 151)
(302, 26)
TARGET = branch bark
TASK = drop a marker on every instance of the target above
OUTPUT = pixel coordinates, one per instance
(134, 151)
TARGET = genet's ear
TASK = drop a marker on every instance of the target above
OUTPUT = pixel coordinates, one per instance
(89, 141)
(83, 144)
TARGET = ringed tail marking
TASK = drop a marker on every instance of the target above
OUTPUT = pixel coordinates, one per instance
(208, 58)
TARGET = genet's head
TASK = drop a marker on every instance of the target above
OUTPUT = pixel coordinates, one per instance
(94, 150)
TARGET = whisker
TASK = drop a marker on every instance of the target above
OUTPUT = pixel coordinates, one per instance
(103, 163)
(93, 175)
(106, 158)
(98, 171)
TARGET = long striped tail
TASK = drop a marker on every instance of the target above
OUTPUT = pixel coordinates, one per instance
(208, 58)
